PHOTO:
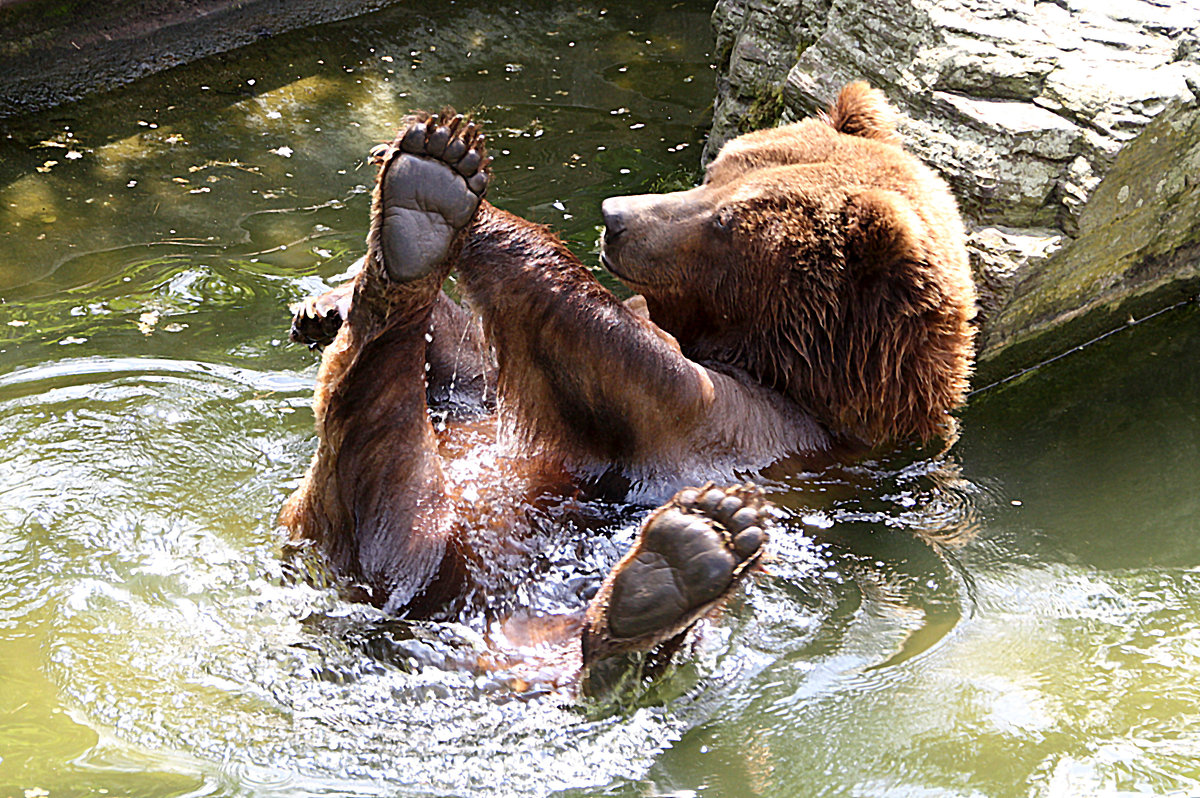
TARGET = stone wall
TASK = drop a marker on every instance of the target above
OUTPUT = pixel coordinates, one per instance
(55, 51)
(1069, 130)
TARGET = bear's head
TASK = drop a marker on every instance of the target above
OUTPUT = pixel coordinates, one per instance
(823, 260)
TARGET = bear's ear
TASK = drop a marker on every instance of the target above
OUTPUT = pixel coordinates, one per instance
(882, 232)
(863, 111)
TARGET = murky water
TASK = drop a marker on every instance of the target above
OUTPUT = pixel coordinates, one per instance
(1017, 616)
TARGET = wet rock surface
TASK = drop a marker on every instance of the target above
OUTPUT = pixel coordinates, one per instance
(1069, 130)
(56, 51)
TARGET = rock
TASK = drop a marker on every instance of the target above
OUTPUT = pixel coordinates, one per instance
(1069, 130)
(757, 43)
(55, 51)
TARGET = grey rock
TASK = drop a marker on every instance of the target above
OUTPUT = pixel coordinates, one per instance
(1069, 131)
(52, 52)
(757, 42)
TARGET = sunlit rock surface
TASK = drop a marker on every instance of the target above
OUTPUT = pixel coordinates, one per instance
(1069, 130)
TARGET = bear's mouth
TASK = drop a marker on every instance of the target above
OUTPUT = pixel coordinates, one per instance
(610, 265)
(607, 263)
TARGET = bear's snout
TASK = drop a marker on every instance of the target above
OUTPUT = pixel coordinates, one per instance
(643, 233)
(614, 214)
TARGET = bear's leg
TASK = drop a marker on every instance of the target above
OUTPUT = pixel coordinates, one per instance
(582, 375)
(373, 499)
(688, 557)
(461, 372)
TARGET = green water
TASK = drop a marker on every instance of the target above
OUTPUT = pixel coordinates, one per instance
(1017, 616)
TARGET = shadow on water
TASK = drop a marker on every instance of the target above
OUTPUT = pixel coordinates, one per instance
(252, 132)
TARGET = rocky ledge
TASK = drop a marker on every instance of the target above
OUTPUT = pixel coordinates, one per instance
(1069, 130)
(55, 51)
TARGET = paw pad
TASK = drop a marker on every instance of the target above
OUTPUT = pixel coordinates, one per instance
(432, 178)
(689, 555)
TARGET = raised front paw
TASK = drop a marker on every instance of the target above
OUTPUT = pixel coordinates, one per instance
(688, 556)
(431, 180)
(316, 320)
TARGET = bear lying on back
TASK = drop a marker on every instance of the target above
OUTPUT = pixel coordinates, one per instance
(812, 298)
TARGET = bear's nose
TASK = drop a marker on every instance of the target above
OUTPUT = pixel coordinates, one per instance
(614, 217)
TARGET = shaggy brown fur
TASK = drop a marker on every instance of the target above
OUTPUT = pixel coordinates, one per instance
(828, 266)
(813, 293)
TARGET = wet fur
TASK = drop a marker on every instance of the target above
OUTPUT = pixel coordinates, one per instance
(848, 288)
(839, 313)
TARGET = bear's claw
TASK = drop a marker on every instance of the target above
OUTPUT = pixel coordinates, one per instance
(317, 319)
(689, 555)
(432, 178)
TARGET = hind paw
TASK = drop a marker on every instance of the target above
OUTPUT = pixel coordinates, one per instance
(432, 178)
(689, 556)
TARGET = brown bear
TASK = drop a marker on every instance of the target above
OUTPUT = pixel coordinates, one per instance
(811, 299)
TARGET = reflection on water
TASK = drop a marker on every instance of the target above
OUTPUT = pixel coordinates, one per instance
(1015, 616)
